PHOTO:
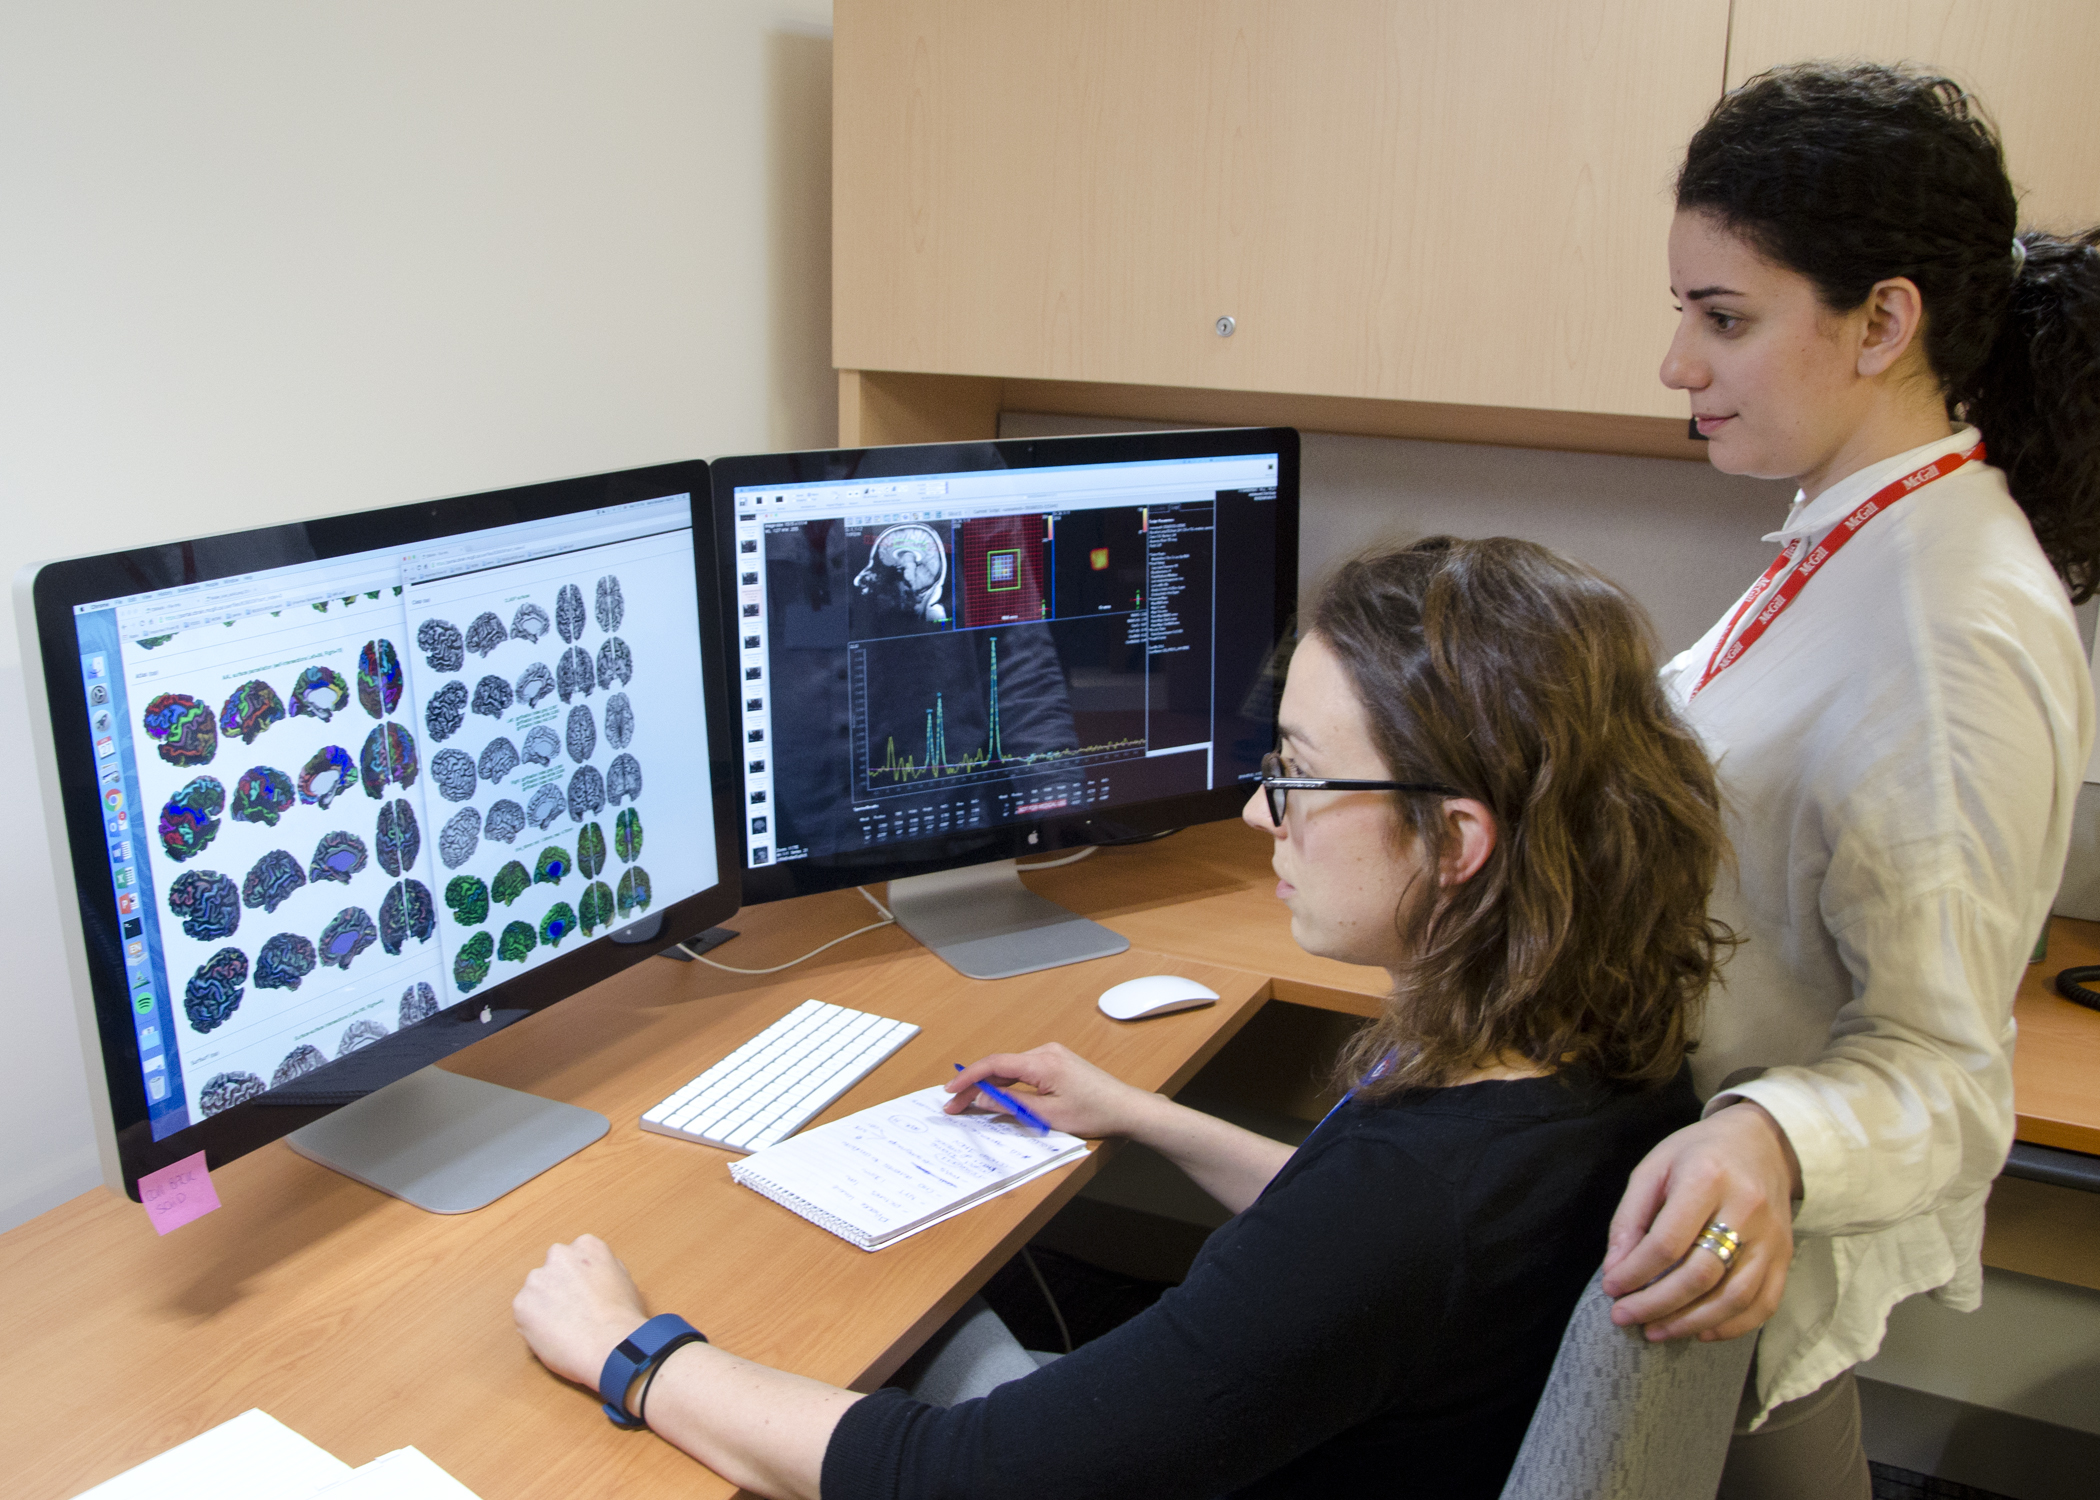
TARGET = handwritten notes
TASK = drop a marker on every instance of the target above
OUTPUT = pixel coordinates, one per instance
(175, 1195)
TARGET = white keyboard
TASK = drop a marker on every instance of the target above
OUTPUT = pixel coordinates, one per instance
(781, 1079)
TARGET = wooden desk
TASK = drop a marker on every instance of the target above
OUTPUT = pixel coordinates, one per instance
(2056, 1066)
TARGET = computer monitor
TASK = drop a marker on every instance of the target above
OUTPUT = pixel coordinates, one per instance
(950, 655)
(331, 800)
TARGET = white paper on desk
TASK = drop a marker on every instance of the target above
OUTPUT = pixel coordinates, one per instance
(404, 1474)
(251, 1457)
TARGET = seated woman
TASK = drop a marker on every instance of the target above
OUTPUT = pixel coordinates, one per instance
(1481, 788)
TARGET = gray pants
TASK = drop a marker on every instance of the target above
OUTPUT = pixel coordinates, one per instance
(1807, 1450)
(973, 1352)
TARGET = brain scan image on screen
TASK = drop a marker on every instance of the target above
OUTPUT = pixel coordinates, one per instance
(504, 822)
(583, 733)
(459, 838)
(590, 850)
(298, 1062)
(486, 633)
(533, 684)
(378, 678)
(208, 904)
(406, 912)
(330, 772)
(499, 757)
(453, 771)
(517, 942)
(529, 624)
(348, 933)
(612, 604)
(586, 793)
(250, 709)
(573, 674)
(553, 865)
(905, 579)
(214, 992)
(557, 924)
(359, 1033)
(337, 857)
(623, 779)
(397, 838)
(183, 730)
(619, 721)
(633, 892)
(320, 693)
(467, 897)
(224, 1090)
(511, 882)
(389, 756)
(271, 880)
(285, 960)
(569, 618)
(470, 965)
(546, 806)
(262, 795)
(419, 1002)
(542, 746)
(443, 648)
(594, 909)
(446, 711)
(190, 820)
(615, 663)
(627, 836)
(492, 697)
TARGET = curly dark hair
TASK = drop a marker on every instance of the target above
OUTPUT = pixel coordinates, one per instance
(1528, 682)
(1852, 174)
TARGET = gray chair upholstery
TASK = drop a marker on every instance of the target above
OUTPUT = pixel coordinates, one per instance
(1624, 1419)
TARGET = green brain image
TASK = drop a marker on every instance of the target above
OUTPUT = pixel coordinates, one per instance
(511, 882)
(590, 851)
(469, 900)
(559, 922)
(553, 866)
(471, 965)
(516, 942)
(627, 836)
(595, 907)
(634, 894)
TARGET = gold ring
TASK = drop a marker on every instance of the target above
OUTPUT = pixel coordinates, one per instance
(1720, 1241)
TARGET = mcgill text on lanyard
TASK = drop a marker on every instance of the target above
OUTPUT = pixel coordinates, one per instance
(1729, 650)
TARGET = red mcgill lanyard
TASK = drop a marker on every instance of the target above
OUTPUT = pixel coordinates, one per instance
(1729, 651)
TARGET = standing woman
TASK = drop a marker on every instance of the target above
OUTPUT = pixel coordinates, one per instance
(1899, 712)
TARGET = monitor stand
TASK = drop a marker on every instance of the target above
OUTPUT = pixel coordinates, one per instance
(985, 924)
(446, 1143)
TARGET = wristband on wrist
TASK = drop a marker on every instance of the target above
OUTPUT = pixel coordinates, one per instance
(639, 1354)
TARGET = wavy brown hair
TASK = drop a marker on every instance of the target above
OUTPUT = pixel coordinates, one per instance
(1528, 682)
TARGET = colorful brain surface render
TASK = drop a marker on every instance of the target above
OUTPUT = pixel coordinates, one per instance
(250, 709)
(511, 882)
(298, 1062)
(568, 612)
(378, 678)
(505, 821)
(225, 1090)
(534, 683)
(397, 837)
(329, 773)
(459, 838)
(270, 880)
(517, 942)
(634, 894)
(348, 933)
(208, 903)
(590, 851)
(190, 820)
(529, 623)
(471, 964)
(359, 1033)
(441, 645)
(486, 633)
(285, 960)
(389, 755)
(214, 991)
(615, 663)
(182, 729)
(627, 836)
(468, 899)
(559, 922)
(595, 908)
(612, 604)
(320, 691)
(419, 1002)
(261, 796)
(545, 807)
(406, 912)
(453, 771)
(583, 733)
(446, 711)
(553, 866)
(586, 793)
(338, 856)
(492, 697)
(619, 721)
(499, 757)
(573, 675)
(623, 779)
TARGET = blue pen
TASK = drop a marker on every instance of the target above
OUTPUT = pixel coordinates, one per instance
(1012, 1106)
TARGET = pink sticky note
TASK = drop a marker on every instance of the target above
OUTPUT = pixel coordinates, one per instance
(175, 1195)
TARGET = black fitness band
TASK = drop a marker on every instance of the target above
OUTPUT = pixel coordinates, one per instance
(2070, 983)
(639, 1354)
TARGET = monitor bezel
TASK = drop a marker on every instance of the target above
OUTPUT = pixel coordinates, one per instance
(46, 595)
(808, 876)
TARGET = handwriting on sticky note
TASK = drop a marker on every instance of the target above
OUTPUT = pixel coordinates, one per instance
(177, 1194)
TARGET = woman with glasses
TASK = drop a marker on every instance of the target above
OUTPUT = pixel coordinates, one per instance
(1482, 789)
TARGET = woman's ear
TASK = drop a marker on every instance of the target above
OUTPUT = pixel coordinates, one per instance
(1895, 312)
(1471, 839)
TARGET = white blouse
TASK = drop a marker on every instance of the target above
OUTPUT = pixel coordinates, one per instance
(1899, 754)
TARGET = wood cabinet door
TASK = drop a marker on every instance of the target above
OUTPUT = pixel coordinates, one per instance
(1429, 201)
(2031, 62)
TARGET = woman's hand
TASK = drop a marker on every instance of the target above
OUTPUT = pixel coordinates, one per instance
(1735, 1166)
(1071, 1094)
(577, 1307)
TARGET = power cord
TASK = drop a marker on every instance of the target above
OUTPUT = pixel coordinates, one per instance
(1069, 859)
(888, 920)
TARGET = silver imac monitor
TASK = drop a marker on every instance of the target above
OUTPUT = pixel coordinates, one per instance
(331, 800)
(946, 656)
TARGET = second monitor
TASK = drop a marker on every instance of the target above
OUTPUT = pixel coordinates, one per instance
(949, 655)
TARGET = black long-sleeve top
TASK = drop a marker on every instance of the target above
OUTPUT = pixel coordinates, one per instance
(1381, 1320)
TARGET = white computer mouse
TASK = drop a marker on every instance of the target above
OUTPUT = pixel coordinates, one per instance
(1154, 995)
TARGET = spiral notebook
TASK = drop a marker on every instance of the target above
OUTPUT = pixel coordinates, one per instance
(886, 1173)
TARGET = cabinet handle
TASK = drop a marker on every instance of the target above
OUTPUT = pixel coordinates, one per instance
(1225, 327)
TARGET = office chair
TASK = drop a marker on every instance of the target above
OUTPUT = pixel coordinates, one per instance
(1624, 1419)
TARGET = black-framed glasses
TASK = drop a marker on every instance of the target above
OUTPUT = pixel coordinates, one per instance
(1277, 786)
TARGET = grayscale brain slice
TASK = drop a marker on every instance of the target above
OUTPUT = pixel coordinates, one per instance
(214, 991)
(441, 645)
(223, 1091)
(529, 623)
(586, 793)
(459, 838)
(542, 746)
(320, 691)
(453, 771)
(615, 663)
(573, 675)
(568, 612)
(446, 711)
(329, 773)
(270, 880)
(378, 678)
(285, 960)
(619, 721)
(546, 805)
(492, 697)
(534, 683)
(400, 840)
(407, 911)
(612, 605)
(348, 933)
(486, 633)
(505, 821)
(583, 733)
(338, 857)
(362, 1032)
(262, 795)
(499, 757)
(623, 779)
(301, 1060)
(419, 1002)
(208, 903)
